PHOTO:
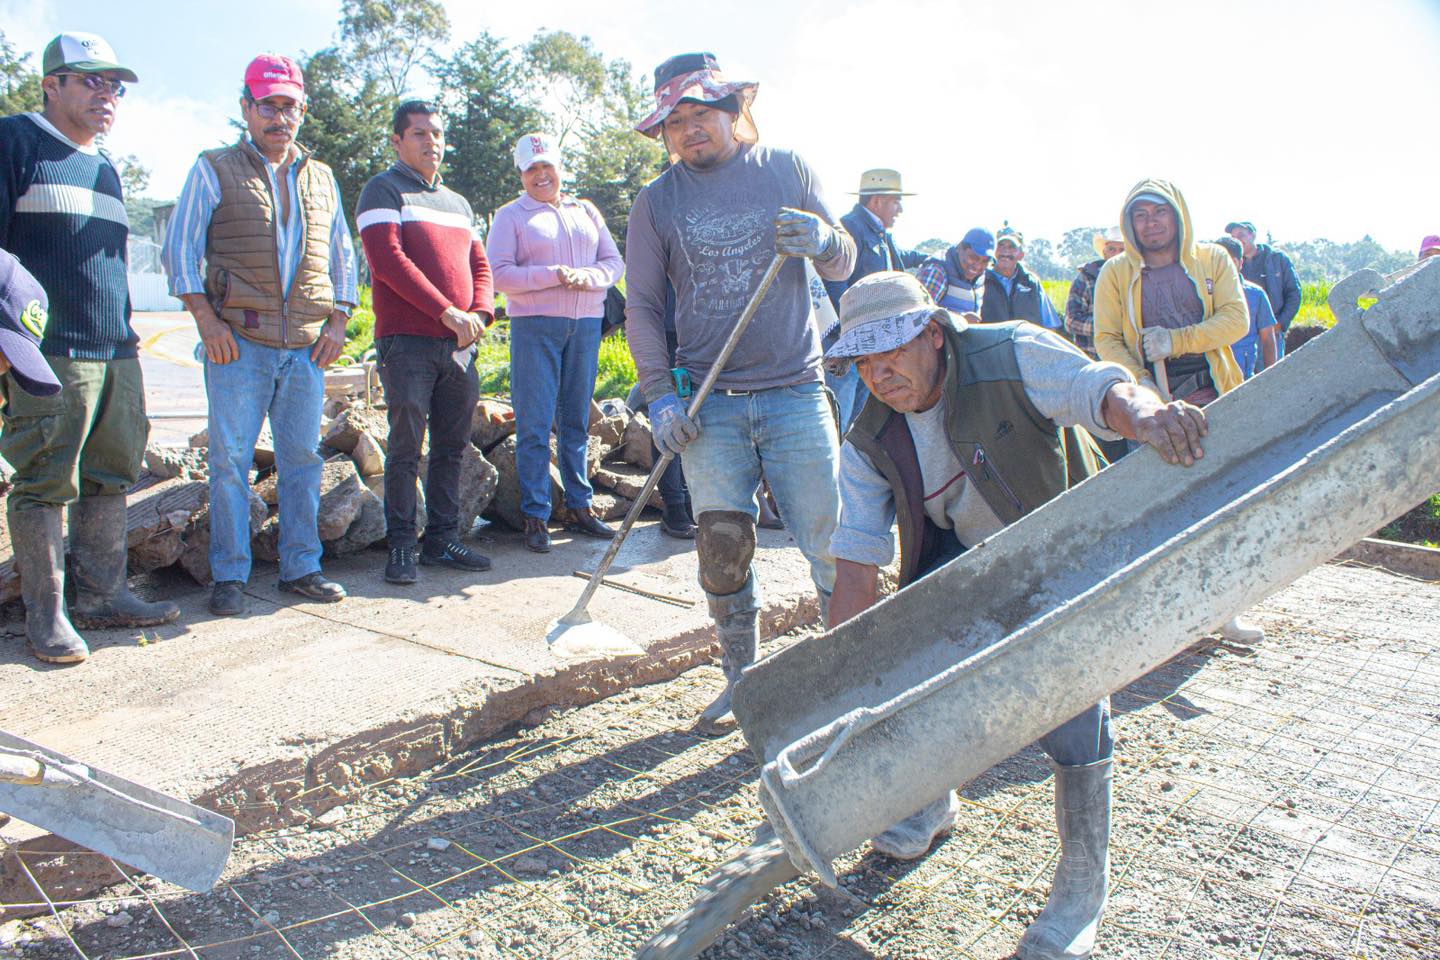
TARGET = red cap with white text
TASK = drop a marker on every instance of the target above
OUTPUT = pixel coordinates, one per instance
(271, 75)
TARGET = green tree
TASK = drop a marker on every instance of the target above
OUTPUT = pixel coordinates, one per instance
(1076, 248)
(389, 39)
(1040, 261)
(615, 162)
(935, 247)
(482, 92)
(19, 84)
(571, 81)
(348, 122)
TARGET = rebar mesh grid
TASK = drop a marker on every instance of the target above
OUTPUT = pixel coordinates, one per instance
(1278, 801)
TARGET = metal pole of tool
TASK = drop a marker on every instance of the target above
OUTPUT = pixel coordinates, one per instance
(578, 615)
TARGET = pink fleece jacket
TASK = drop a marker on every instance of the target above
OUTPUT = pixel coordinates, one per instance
(529, 240)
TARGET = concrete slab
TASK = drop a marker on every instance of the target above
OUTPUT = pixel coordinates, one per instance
(276, 717)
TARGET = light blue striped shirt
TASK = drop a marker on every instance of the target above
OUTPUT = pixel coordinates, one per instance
(184, 249)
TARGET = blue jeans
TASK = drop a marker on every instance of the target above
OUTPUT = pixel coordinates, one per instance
(553, 361)
(790, 432)
(850, 395)
(288, 386)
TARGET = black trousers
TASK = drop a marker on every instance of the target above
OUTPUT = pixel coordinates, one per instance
(425, 389)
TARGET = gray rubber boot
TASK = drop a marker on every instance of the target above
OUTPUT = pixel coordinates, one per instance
(1066, 928)
(99, 551)
(39, 544)
(913, 837)
(739, 636)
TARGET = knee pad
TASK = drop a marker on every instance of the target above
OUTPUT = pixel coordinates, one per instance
(725, 543)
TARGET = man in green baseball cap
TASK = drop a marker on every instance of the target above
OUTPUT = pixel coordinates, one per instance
(83, 53)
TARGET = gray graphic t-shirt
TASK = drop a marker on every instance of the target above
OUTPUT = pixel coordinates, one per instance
(711, 233)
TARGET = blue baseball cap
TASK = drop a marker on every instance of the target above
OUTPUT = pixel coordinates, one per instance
(23, 314)
(980, 241)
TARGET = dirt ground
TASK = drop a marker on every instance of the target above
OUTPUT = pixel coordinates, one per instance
(1274, 802)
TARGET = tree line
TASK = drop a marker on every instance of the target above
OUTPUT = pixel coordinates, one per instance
(492, 92)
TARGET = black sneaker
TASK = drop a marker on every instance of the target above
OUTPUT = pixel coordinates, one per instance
(453, 553)
(400, 568)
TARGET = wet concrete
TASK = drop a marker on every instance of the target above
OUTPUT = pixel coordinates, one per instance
(276, 717)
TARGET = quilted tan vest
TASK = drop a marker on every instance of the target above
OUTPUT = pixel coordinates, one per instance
(242, 252)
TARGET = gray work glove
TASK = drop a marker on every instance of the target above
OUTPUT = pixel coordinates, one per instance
(1157, 342)
(671, 427)
(799, 233)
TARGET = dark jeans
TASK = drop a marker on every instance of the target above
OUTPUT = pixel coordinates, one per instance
(424, 386)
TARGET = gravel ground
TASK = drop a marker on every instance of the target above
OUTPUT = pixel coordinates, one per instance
(1275, 802)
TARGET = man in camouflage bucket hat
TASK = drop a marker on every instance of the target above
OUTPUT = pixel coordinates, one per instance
(1036, 399)
(710, 225)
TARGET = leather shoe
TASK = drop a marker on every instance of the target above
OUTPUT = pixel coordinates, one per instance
(584, 521)
(315, 587)
(674, 523)
(227, 598)
(537, 535)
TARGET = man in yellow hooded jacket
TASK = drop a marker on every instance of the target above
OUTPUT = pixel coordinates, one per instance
(1168, 298)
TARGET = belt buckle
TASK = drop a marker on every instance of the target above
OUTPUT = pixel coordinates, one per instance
(735, 393)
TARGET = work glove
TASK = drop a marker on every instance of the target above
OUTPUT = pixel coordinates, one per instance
(671, 427)
(1157, 342)
(799, 233)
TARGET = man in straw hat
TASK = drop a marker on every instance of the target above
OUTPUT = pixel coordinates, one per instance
(933, 377)
(1080, 307)
(869, 224)
(710, 225)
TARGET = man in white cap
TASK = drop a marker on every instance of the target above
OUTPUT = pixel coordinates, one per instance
(934, 377)
(1080, 307)
(710, 225)
(62, 215)
(1011, 292)
(869, 223)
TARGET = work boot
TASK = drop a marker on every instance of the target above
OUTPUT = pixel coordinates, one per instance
(450, 552)
(1241, 631)
(100, 554)
(675, 522)
(915, 835)
(537, 535)
(400, 568)
(583, 520)
(39, 548)
(1066, 928)
(739, 636)
(314, 586)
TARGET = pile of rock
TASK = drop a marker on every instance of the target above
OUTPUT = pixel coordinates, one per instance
(169, 514)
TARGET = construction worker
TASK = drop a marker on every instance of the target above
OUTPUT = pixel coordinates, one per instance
(869, 223)
(264, 219)
(1011, 292)
(1035, 398)
(956, 280)
(62, 215)
(710, 225)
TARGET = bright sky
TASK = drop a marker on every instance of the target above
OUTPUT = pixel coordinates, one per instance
(1313, 118)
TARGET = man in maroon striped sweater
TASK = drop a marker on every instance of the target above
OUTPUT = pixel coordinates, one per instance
(433, 300)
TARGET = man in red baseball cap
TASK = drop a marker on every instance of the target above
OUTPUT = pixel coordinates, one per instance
(265, 220)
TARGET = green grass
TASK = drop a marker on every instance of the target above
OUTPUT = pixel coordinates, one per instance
(616, 369)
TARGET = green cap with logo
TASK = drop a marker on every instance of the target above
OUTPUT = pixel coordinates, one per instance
(83, 53)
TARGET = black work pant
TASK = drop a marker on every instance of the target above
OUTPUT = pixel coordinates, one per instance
(425, 388)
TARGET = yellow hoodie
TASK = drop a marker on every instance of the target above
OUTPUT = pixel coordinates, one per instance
(1117, 299)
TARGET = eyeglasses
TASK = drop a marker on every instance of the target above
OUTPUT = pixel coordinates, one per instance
(269, 111)
(98, 84)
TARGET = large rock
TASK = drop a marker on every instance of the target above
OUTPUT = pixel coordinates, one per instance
(494, 420)
(626, 481)
(264, 457)
(368, 455)
(156, 519)
(610, 431)
(478, 482)
(637, 450)
(187, 463)
(353, 422)
(341, 497)
(505, 507)
(368, 528)
(195, 560)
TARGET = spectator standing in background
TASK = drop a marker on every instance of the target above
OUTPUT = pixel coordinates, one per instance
(1273, 271)
(956, 280)
(1011, 293)
(1080, 306)
(1256, 350)
(554, 258)
(433, 302)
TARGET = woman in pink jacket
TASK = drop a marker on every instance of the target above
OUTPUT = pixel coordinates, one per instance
(553, 258)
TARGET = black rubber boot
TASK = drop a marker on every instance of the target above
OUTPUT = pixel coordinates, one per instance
(1066, 928)
(39, 545)
(99, 550)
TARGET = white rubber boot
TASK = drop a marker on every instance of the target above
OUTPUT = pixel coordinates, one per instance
(913, 837)
(1241, 631)
(1066, 928)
